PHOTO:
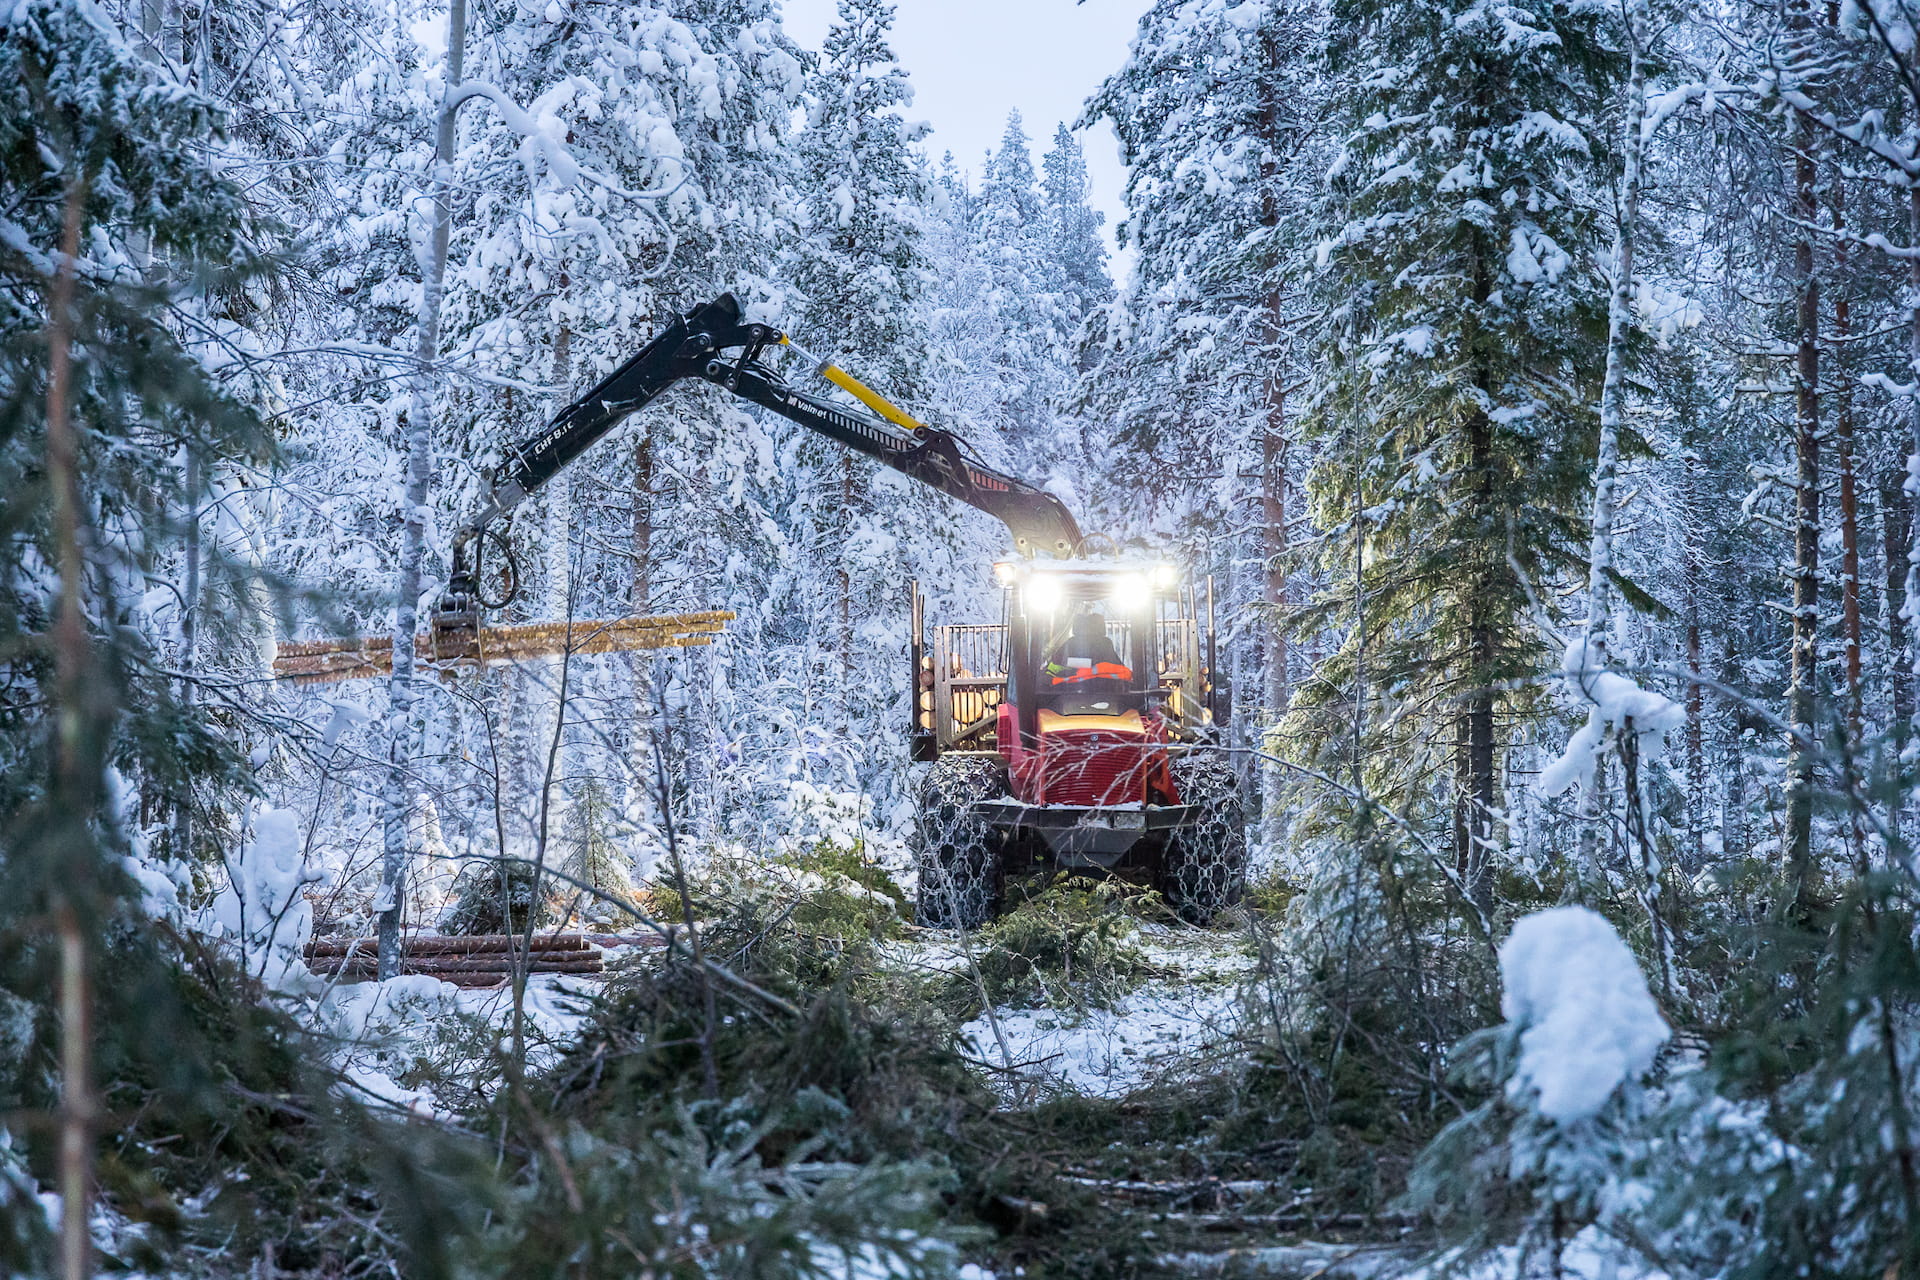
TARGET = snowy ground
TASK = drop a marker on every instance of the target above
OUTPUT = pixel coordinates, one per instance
(406, 1027)
(1111, 1052)
(1588, 1256)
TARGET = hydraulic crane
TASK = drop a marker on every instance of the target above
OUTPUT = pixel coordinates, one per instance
(696, 345)
(1063, 736)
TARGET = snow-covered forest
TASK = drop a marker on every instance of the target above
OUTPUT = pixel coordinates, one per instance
(1527, 391)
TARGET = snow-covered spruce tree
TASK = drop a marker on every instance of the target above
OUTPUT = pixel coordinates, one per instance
(1463, 349)
(1073, 230)
(860, 275)
(1187, 393)
(1026, 297)
(966, 333)
(101, 154)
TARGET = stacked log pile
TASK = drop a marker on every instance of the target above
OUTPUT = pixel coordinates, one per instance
(481, 960)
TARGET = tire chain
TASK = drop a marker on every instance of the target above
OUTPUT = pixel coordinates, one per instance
(1204, 868)
(958, 863)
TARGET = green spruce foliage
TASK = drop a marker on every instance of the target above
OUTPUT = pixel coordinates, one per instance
(1463, 346)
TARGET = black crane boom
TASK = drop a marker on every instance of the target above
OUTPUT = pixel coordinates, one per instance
(696, 345)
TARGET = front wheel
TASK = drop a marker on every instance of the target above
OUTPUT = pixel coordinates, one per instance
(957, 851)
(1203, 870)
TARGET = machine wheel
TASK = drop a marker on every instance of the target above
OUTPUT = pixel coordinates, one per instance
(1203, 870)
(958, 852)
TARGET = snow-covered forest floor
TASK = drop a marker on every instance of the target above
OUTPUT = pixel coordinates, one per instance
(1107, 1099)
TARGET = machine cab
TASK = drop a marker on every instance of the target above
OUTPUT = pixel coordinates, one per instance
(1113, 646)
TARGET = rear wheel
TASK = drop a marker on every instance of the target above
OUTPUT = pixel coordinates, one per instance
(1203, 870)
(958, 852)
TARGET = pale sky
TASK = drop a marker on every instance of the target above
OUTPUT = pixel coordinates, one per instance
(972, 61)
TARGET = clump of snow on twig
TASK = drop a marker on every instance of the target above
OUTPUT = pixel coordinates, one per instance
(1614, 701)
(1587, 1022)
(263, 909)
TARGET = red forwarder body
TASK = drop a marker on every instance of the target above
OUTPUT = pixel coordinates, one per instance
(1104, 761)
(1108, 762)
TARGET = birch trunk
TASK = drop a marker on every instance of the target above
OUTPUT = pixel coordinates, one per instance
(1613, 410)
(1613, 387)
(401, 731)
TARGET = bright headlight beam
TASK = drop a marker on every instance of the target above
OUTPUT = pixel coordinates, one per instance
(1133, 592)
(1043, 594)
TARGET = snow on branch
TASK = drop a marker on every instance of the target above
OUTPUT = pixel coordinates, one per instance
(1616, 701)
(1586, 1020)
(560, 160)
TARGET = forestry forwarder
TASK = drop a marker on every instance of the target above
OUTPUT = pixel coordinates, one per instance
(1059, 738)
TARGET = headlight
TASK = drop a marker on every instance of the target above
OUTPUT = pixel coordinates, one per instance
(1133, 593)
(1004, 571)
(1165, 577)
(1043, 594)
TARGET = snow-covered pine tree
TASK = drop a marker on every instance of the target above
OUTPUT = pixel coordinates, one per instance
(1456, 424)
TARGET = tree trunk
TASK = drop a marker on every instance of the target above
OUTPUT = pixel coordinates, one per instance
(640, 603)
(640, 593)
(1273, 454)
(1802, 688)
(401, 731)
(1474, 801)
(1273, 596)
(554, 798)
(843, 586)
(1613, 388)
(1613, 410)
(1910, 591)
(189, 639)
(1849, 545)
(76, 793)
(1849, 529)
(1696, 745)
(1896, 538)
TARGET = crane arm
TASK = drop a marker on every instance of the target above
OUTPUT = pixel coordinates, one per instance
(695, 346)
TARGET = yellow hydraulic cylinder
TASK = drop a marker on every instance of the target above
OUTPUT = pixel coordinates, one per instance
(859, 390)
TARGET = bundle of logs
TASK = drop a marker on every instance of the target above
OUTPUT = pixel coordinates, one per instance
(326, 661)
(478, 960)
